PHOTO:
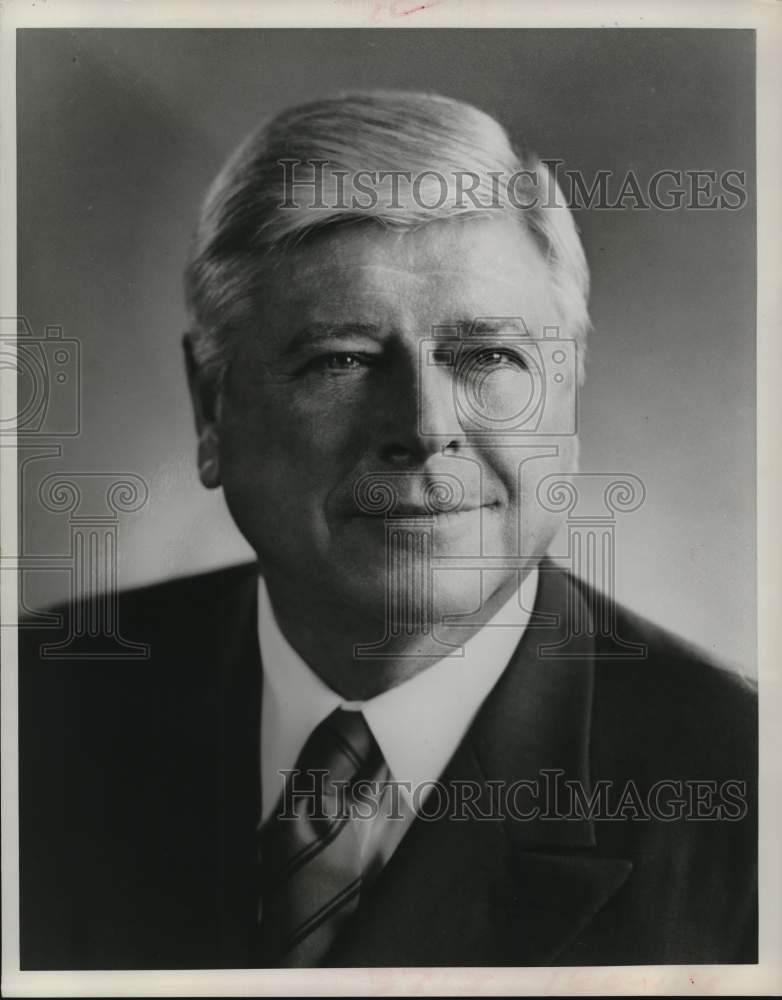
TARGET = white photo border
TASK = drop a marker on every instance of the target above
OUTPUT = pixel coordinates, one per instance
(765, 18)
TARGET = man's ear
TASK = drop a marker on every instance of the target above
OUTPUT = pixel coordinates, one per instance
(204, 394)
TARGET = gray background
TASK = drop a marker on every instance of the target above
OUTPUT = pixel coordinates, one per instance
(120, 132)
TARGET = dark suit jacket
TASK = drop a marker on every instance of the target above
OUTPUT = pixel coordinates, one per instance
(139, 790)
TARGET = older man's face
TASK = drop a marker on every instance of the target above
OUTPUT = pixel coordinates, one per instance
(334, 383)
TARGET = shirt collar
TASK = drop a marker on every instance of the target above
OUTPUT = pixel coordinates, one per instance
(417, 724)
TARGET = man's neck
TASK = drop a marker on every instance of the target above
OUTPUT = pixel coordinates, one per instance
(326, 637)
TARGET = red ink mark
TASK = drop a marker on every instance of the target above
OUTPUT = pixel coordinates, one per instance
(397, 8)
(691, 980)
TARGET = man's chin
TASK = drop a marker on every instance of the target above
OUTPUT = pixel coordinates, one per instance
(409, 598)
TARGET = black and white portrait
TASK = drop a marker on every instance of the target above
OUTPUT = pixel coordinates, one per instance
(385, 488)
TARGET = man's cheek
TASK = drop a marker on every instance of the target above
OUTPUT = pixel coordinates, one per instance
(526, 463)
(540, 519)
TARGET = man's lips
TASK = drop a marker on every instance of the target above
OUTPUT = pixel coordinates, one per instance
(438, 494)
(417, 510)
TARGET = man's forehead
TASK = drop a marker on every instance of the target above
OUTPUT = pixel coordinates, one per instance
(473, 268)
(444, 245)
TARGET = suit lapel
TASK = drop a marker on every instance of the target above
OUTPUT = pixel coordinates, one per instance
(508, 890)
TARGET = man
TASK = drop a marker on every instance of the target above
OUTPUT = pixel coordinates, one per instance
(404, 736)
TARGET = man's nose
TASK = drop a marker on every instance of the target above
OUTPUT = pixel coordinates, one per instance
(420, 416)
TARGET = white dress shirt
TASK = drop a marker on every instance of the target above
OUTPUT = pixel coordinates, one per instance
(418, 724)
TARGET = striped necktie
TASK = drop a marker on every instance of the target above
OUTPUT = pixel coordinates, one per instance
(310, 851)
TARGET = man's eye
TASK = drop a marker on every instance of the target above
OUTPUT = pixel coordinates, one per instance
(494, 358)
(340, 362)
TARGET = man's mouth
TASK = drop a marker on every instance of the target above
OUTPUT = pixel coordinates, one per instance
(439, 495)
(410, 510)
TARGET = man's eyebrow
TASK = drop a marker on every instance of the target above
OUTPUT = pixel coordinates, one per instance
(312, 333)
(483, 325)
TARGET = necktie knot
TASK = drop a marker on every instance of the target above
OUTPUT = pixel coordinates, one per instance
(342, 745)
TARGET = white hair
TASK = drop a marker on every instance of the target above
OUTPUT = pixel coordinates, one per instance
(248, 213)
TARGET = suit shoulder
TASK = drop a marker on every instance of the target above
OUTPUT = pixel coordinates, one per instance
(683, 664)
(671, 697)
(672, 657)
(193, 592)
(166, 629)
(153, 663)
